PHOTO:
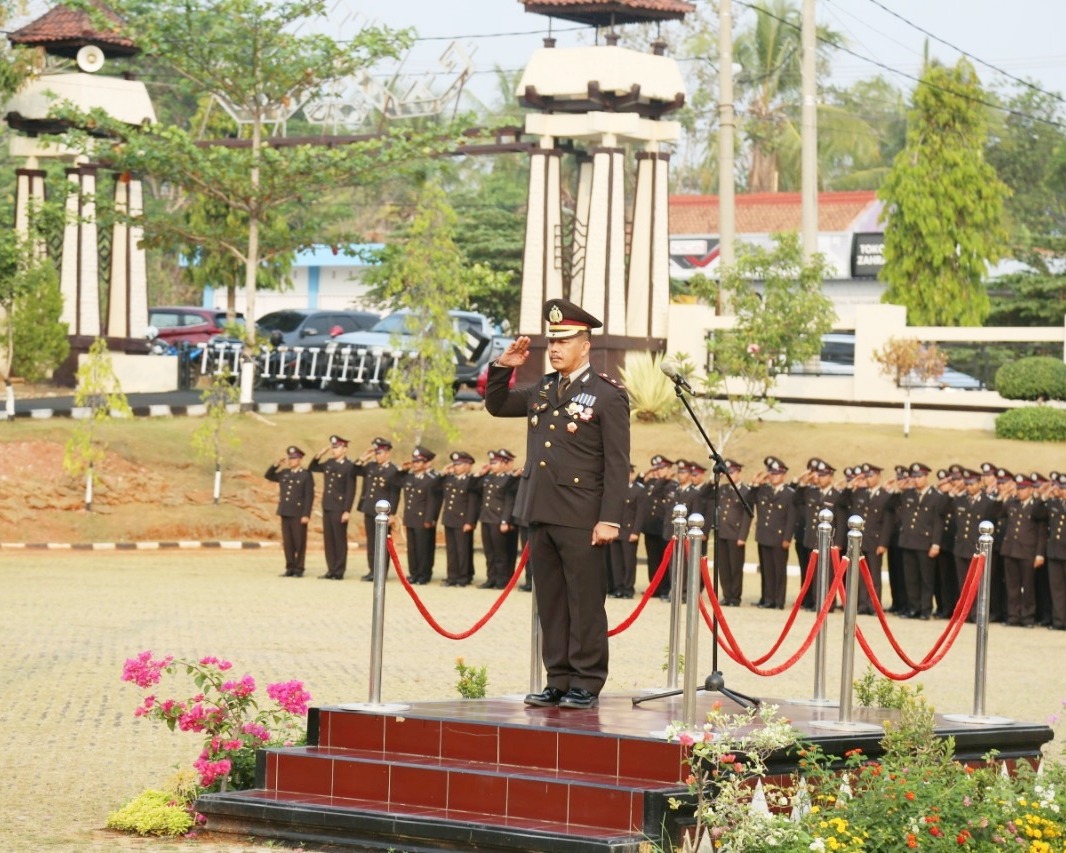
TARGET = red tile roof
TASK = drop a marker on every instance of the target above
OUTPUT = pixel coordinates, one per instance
(769, 213)
(63, 30)
(603, 12)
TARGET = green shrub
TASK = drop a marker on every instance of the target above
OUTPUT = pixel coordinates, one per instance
(1032, 423)
(472, 680)
(651, 394)
(153, 813)
(1037, 378)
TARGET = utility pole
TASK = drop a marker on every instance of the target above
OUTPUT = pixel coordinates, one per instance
(726, 132)
(809, 131)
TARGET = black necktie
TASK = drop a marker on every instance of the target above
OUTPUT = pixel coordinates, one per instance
(564, 383)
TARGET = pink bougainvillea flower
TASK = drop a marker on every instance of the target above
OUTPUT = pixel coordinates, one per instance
(143, 671)
(244, 687)
(290, 695)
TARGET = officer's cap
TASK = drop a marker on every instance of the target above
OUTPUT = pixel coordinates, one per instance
(294, 452)
(696, 468)
(565, 319)
(820, 466)
(658, 461)
(988, 468)
(504, 454)
(1003, 475)
(381, 444)
(1023, 481)
(337, 441)
(1038, 478)
(731, 466)
(461, 456)
(902, 472)
(919, 469)
(969, 477)
(870, 468)
(774, 465)
(423, 454)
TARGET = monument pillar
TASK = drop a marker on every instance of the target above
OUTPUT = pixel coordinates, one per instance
(649, 260)
(79, 270)
(127, 302)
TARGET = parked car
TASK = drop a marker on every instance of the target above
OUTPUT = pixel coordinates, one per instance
(194, 325)
(305, 327)
(371, 354)
(837, 358)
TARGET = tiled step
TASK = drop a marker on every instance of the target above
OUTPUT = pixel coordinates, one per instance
(562, 796)
(369, 825)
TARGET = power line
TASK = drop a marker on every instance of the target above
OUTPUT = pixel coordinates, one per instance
(965, 53)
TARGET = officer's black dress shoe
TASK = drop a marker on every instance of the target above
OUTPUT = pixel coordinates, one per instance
(486, 585)
(526, 587)
(369, 576)
(285, 575)
(577, 698)
(547, 698)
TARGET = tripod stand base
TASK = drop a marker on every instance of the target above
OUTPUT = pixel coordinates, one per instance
(715, 683)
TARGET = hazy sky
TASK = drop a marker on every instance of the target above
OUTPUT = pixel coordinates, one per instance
(1024, 38)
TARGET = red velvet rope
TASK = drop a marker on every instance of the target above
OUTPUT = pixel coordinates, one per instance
(664, 567)
(730, 646)
(477, 626)
(946, 639)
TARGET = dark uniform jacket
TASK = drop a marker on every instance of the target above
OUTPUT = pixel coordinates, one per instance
(497, 493)
(1025, 533)
(421, 497)
(338, 483)
(577, 446)
(969, 512)
(775, 515)
(661, 495)
(1056, 529)
(634, 511)
(692, 498)
(810, 500)
(877, 509)
(921, 518)
(378, 485)
(734, 522)
(296, 494)
(460, 501)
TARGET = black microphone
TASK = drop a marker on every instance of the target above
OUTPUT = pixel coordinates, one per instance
(670, 369)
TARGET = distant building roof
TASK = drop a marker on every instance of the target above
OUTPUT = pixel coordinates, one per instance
(63, 31)
(769, 213)
(602, 13)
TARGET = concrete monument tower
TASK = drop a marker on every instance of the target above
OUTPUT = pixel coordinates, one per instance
(62, 35)
(592, 103)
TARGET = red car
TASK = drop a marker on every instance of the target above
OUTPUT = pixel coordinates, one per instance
(188, 323)
(483, 380)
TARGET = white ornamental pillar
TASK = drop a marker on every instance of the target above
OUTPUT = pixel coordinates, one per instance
(127, 303)
(582, 206)
(604, 278)
(648, 294)
(542, 275)
(78, 278)
(29, 197)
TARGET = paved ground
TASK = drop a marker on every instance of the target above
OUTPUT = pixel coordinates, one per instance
(74, 751)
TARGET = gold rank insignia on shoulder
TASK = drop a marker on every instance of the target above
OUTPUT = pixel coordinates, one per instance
(613, 381)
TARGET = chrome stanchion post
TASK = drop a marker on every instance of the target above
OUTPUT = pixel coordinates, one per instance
(377, 630)
(978, 717)
(677, 562)
(821, 587)
(692, 616)
(847, 656)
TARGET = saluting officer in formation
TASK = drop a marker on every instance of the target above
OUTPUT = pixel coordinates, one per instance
(378, 471)
(866, 497)
(497, 486)
(661, 489)
(459, 510)
(922, 510)
(815, 491)
(733, 529)
(574, 486)
(623, 551)
(296, 497)
(775, 523)
(338, 495)
(421, 504)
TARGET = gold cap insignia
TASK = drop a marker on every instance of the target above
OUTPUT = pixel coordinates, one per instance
(555, 315)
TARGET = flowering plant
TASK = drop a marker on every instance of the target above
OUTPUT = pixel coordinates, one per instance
(224, 710)
(916, 796)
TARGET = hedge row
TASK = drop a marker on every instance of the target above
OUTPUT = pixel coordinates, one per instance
(1032, 423)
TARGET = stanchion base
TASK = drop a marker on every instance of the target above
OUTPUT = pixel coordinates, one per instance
(975, 720)
(845, 726)
(815, 703)
(375, 707)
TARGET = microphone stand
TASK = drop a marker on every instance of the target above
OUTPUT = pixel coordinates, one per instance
(715, 682)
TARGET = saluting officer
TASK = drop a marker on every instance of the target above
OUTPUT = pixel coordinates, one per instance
(1056, 548)
(378, 471)
(661, 488)
(734, 527)
(866, 497)
(499, 536)
(459, 510)
(921, 526)
(775, 521)
(296, 496)
(574, 484)
(421, 504)
(1024, 546)
(814, 492)
(338, 495)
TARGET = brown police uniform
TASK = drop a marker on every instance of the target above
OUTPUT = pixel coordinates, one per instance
(460, 503)
(296, 497)
(421, 505)
(378, 485)
(775, 522)
(338, 496)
